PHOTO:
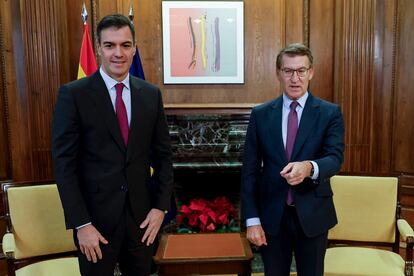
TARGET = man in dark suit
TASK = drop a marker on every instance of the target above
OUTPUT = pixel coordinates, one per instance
(106, 128)
(294, 144)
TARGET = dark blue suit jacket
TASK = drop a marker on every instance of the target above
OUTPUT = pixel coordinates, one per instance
(319, 138)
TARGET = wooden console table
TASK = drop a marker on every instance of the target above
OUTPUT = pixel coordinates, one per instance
(189, 254)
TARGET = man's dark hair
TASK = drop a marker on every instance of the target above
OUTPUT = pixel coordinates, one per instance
(295, 49)
(114, 21)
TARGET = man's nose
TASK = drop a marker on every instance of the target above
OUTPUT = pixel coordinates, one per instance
(295, 76)
(118, 51)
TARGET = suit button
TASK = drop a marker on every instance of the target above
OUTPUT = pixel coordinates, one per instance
(123, 188)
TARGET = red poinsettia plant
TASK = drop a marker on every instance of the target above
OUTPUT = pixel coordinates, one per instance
(202, 215)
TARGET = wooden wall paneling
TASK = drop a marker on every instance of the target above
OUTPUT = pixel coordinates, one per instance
(384, 66)
(353, 43)
(294, 16)
(37, 65)
(42, 30)
(148, 34)
(321, 42)
(354, 79)
(149, 40)
(106, 7)
(16, 95)
(5, 158)
(403, 132)
(264, 37)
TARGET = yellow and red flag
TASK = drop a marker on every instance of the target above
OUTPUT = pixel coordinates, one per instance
(87, 62)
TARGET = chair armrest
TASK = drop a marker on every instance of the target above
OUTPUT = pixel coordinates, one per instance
(405, 229)
(8, 245)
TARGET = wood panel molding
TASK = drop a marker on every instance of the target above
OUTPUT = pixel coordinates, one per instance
(321, 42)
(306, 27)
(403, 131)
(5, 157)
(354, 81)
(40, 54)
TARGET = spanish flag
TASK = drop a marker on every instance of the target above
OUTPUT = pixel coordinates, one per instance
(87, 62)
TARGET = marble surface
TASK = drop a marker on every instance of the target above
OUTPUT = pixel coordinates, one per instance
(207, 141)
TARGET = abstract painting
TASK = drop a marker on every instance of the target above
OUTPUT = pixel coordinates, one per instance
(203, 42)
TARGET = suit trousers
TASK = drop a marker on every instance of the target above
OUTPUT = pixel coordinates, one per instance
(124, 247)
(309, 252)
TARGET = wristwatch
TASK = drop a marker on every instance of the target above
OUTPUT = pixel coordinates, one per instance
(312, 170)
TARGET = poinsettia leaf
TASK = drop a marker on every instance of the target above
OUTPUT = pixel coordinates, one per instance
(211, 227)
(212, 215)
(192, 220)
(203, 219)
(185, 209)
(197, 205)
(223, 219)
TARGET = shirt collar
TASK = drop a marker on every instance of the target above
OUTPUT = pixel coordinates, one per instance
(301, 100)
(110, 82)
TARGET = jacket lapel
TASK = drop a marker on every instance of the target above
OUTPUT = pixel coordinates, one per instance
(102, 99)
(137, 114)
(276, 129)
(310, 115)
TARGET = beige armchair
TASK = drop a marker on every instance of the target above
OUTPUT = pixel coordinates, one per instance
(37, 243)
(369, 219)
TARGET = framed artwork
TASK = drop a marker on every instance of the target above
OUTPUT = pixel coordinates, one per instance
(203, 42)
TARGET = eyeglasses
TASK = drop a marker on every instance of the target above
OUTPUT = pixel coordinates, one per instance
(288, 72)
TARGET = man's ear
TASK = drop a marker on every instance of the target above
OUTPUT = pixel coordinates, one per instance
(310, 72)
(98, 47)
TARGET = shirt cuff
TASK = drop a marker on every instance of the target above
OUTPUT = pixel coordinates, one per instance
(315, 170)
(83, 225)
(252, 222)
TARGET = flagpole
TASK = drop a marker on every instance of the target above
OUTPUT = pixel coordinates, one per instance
(84, 14)
(131, 13)
(87, 62)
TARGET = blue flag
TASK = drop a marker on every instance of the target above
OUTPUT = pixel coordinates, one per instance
(136, 66)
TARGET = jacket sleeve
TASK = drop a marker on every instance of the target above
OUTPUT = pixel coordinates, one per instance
(65, 149)
(333, 146)
(251, 171)
(162, 159)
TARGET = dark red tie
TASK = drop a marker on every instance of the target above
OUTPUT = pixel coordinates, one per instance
(292, 129)
(121, 113)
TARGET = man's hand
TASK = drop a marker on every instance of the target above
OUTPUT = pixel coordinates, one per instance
(153, 223)
(256, 235)
(89, 239)
(295, 172)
